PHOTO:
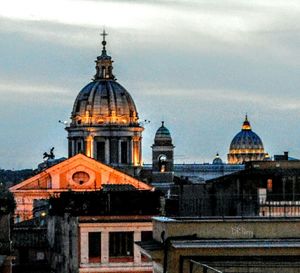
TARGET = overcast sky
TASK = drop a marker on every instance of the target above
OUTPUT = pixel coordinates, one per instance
(197, 65)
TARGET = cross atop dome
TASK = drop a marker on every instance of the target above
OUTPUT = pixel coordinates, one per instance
(103, 34)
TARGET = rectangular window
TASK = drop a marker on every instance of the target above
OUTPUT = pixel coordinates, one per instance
(100, 151)
(146, 236)
(79, 147)
(121, 246)
(94, 247)
(114, 151)
(124, 152)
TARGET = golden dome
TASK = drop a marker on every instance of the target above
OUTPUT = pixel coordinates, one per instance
(104, 101)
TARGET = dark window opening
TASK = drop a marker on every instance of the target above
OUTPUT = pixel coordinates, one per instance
(124, 152)
(101, 151)
(23, 255)
(79, 148)
(146, 236)
(121, 246)
(114, 151)
(94, 247)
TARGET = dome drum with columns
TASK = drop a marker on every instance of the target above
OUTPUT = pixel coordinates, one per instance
(246, 146)
(104, 121)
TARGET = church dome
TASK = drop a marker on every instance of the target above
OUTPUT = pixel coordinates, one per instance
(217, 160)
(246, 145)
(163, 135)
(104, 101)
(162, 131)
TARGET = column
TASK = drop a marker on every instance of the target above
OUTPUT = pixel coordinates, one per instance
(82, 146)
(94, 154)
(131, 152)
(119, 151)
(84, 247)
(136, 252)
(73, 151)
(92, 147)
(140, 151)
(104, 247)
(136, 151)
(89, 146)
(107, 155)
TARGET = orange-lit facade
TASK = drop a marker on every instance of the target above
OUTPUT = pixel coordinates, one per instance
(78, 173)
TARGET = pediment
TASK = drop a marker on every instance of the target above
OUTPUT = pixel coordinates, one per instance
(78, 173)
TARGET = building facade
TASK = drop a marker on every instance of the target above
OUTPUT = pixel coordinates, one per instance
(78, 173)
(224, 245)
(96, 231)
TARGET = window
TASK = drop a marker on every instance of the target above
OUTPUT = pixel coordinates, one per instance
(124, 152)
(80, 177)
(114, 151)
(94, 247)
(162, 163)
(146, 236)
(79, 148)
(101, 151)
(270, 185)
(40, 256)
(121, 246)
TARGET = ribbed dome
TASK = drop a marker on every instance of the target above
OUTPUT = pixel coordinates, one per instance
(246, 146)
(104, 101)
(163, 136)
(162, 132)
(246, 139)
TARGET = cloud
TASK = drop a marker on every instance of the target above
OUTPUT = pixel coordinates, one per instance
(13, 87)
(199, 65)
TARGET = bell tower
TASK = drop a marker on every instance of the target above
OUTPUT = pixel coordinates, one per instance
(162, 156)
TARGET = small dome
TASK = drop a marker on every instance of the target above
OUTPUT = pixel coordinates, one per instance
(104, 102)
(163, 136)
(162, 131)
(217, 160)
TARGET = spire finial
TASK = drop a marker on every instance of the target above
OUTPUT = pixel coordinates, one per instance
(103, 34)
(162, 123)
(104, 62)
(246, 123)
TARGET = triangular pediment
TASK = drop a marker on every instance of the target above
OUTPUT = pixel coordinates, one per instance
(78, 173)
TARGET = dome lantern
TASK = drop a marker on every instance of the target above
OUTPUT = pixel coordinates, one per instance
(246, 124)
(104, 63)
